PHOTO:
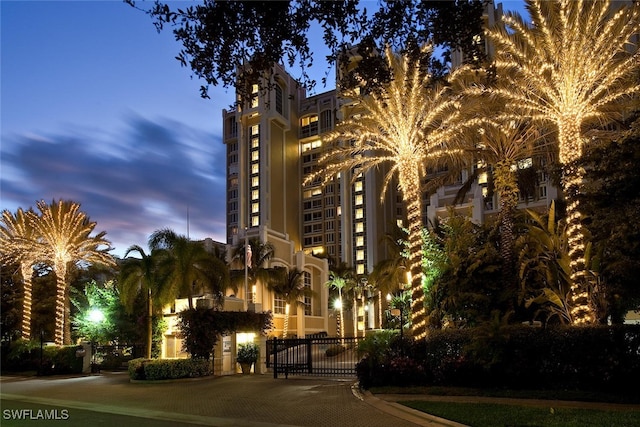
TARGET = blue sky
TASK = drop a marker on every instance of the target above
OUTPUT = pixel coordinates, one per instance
(96, 109)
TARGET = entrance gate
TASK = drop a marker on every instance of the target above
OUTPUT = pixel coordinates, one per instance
(320, 356)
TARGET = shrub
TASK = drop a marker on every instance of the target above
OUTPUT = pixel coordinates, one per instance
(586, 358)
(248, 353)
(136, 369)
(164, 369)
(335, 350)
(26, 355)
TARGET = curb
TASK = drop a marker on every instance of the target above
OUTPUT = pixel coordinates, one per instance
(400, 411)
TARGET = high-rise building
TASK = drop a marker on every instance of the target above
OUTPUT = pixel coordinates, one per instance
(275, 141)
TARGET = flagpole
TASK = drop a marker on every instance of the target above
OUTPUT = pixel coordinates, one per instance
(246, 270)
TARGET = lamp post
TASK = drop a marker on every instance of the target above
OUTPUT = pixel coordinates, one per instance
(96, 317)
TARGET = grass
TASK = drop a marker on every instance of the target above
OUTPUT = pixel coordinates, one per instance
(493, 415)
(577, 395)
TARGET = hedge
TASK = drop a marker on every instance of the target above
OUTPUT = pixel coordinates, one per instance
(586, 357)
(23, 355)
(164, 369)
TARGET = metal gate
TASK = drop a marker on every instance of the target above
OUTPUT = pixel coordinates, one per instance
(319, 356)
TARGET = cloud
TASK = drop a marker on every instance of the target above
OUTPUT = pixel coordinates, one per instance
(151, 175)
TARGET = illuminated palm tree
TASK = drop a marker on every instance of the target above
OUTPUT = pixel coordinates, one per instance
(341, 278)
(64, 237)
(17, 237)
(404, 127)
(572, 68)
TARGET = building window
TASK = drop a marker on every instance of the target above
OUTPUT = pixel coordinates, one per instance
(307, 299)
(326, 120)
(358, 201)
(359, 214)
(254, 96)
(255, 221)
(278, 305)
(308, 126)
(360, 255)
(358, 186)
(359, 241)
(255, 181)
(279, 99)
(359, 227)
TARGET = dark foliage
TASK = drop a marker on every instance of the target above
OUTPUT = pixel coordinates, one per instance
(168, 369)
(201, 327)
(600, 358)
(219, 36)
(611, 199)
(24, 356)
(11, 298)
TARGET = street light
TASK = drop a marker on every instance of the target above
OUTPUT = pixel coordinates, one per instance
(96, 317)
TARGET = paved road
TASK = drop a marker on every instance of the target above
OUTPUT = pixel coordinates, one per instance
(253, 400)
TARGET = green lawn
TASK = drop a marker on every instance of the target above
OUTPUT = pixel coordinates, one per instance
(493, 415)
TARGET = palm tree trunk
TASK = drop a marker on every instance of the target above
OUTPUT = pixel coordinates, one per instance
(581, 311)
(507, 187)
(149, 325)
(27, 272)
(411, 191)
(355, 316)
(61, 286)
(285, 328)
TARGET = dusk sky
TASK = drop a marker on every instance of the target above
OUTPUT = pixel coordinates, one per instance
(96, 109)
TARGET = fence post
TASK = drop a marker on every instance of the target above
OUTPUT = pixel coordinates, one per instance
(309, 364)
(274, 350)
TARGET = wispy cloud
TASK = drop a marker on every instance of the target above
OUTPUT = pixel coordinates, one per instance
(130, 182)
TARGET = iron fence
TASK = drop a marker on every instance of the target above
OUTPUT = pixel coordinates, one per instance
(317, 356)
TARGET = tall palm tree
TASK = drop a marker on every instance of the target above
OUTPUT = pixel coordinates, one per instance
(142, 276)
(64, 237)
(572, 67)
(341, 277)
(17, 237)
(405, 126)
(187, 265)
(288, 284)
(257, 270)
(505, 145)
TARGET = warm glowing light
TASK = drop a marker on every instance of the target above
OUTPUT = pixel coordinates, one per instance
(573, 67)
(405, 128)
(18, 241)
(64, 237)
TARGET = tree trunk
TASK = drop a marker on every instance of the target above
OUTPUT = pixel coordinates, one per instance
(581, 311)
(149, 325)
(60, 302)
(27, 272)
